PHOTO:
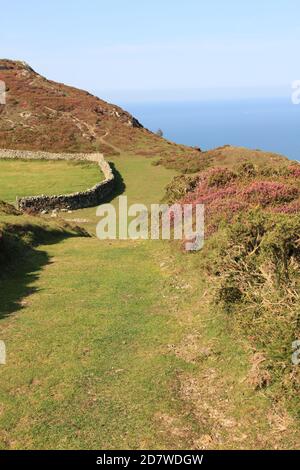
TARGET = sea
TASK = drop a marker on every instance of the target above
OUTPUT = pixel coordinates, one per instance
(266, 124)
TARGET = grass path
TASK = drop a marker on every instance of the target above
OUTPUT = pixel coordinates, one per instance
(86, 362)
(116, 348)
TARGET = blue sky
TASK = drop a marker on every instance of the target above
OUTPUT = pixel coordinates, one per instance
(158, 50)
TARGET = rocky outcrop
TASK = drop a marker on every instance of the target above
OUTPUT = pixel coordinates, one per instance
(89, 198)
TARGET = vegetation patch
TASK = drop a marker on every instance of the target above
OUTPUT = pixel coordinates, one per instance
(256, 271)
(32, 178)
(252, 261)
(226, 192)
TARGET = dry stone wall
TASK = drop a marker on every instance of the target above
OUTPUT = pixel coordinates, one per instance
(89, 198)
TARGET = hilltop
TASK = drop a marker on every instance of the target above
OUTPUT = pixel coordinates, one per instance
(41, 114)
(44, 115)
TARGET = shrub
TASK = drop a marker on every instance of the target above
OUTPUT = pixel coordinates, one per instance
(290, 208)
(180, 186)
(295, 170)
(219, 177)
(247, 169)
(269, 192)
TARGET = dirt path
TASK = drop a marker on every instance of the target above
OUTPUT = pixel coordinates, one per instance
(102, 139)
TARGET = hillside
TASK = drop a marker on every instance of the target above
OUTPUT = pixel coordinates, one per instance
(41, 114)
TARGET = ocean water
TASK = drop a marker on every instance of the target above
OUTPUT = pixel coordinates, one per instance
(270, 125)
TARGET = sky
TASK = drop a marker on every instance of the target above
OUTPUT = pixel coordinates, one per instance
(158, 50)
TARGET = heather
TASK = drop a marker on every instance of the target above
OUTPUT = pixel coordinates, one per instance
(225, 192)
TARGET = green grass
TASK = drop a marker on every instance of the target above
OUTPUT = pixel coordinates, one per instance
(106, 345)
(87, 364)
(141, 182)
(31, 178)
(86, 360)
(144, 183)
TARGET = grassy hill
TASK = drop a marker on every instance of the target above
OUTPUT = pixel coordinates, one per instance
(135, 344)
(44, 115)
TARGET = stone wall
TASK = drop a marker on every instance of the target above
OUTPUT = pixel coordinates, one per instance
(89, 198)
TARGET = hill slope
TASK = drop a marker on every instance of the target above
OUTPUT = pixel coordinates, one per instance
(142, 367)
(41, 114)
